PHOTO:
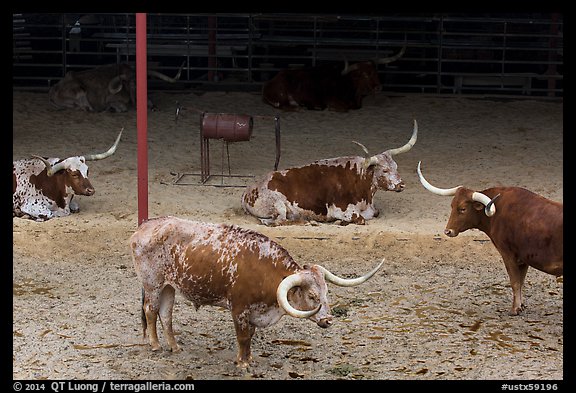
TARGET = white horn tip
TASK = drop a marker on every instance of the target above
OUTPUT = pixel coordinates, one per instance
(418, 170)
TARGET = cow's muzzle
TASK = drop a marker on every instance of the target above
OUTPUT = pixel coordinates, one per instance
(89, 192)
(399, 187)
(325, 322)
(450, 232)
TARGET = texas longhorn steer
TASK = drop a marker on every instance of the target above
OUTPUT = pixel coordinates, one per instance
(109, 87)
(228, 266)
(43, 188)
(325, 86)
(526, 228)
(327, 190)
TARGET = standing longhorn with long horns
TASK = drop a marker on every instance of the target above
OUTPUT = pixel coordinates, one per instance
(326, 190)
(43, 188)
(526, 228)
(227, 266)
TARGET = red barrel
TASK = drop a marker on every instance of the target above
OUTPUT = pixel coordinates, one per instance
(230, 127)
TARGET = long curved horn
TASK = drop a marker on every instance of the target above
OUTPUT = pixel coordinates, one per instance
(363, 148)
(348, 68)
(390, 59)
(289, 282)
(349, 282)
(115, 85)
(51, 169)
(369, 160)
(384, 60)
(435, 190)
(490, 208)
(92, 157)
(409, 144)
(166, 78)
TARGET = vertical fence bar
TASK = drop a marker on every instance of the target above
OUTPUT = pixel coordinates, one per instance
(440, 54)
(212, 48)
(552, 54)
(64, 62)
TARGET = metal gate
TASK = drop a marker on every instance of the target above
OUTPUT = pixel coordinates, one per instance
(504, 54)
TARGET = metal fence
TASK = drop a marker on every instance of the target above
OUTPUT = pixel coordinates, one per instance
(516, 54)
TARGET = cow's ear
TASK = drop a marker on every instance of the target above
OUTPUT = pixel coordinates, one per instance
(478, 206)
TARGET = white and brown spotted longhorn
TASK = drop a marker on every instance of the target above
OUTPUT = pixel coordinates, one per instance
(228, 266)
(43, 187)
(340, 188)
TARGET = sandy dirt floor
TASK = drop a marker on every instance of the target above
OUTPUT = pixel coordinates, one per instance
(438, 310)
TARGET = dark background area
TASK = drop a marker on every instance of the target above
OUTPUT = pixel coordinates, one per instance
(519, 54)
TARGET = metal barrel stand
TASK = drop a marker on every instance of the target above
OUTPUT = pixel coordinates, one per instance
(229, 128)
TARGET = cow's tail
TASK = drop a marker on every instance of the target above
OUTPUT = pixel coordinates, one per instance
(143, 316)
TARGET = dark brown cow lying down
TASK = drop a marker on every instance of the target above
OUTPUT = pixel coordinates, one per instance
(325, 86)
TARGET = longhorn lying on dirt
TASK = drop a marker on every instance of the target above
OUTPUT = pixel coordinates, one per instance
(326, 86)
(326, 190)
(526, 228)
(106, 88)
(225, 265)
(43, 188)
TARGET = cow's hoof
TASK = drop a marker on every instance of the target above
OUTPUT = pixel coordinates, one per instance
(515, 311)
(242, 364)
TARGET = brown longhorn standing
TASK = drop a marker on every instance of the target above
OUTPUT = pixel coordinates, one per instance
(526, 228)
(225, 265)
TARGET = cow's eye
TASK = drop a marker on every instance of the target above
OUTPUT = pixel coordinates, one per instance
(461, 210)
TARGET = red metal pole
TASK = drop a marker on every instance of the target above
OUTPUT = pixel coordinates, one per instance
(142, 116)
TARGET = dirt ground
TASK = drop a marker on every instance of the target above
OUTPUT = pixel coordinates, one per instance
(438, 310)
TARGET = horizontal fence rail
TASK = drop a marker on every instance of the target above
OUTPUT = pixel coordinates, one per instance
(516, 54)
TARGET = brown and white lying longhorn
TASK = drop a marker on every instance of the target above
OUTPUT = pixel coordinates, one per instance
(227, 266)
(109, 87)
(340, 188)
(526, 228)
(43, 188)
